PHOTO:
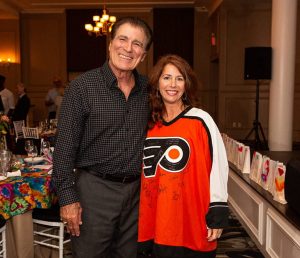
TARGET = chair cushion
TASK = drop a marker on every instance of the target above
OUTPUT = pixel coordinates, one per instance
(51, 214)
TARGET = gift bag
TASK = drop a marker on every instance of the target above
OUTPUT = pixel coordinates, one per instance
(230, 150)
(235, 153)
(256, 166)
(265, 172)
(279, 180)
(241, 156)
(246, 166)
(271, 177)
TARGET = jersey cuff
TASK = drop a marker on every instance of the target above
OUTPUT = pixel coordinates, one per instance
(217, 216)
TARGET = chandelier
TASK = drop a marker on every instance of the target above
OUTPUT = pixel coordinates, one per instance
(102, 25)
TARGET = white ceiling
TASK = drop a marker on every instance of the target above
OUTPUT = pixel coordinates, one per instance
(11, 8)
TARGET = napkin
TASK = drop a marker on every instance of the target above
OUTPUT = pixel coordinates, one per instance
(11, 174)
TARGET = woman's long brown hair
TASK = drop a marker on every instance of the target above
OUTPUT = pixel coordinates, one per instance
(189, 98)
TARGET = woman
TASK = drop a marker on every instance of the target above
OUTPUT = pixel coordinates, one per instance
(183, 205)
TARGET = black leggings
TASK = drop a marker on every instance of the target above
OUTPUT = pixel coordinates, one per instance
(211, 254)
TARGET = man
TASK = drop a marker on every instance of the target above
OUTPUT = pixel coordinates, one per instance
(51, 96)
(7, 98)
(100, 133)
(58, 99)
(23, 104)
(1, 106)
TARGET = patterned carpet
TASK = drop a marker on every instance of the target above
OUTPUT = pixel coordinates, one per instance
(236, 243)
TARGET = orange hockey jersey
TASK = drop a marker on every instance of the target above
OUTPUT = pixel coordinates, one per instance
(184, 185)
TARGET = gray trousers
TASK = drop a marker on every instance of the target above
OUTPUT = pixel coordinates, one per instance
(109, 216)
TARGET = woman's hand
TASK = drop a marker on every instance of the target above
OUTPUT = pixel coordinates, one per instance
(213, 234)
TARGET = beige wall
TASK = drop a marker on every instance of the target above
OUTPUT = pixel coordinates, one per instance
(201, 60)
(43, 56)
(10, 48)
(241, 28)
(224, 92)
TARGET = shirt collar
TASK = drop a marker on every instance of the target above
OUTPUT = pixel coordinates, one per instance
(111, 80)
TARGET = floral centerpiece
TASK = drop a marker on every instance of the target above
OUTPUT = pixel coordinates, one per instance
(4, 127)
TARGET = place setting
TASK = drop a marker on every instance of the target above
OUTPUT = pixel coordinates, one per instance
(6, 158)
(15, 165)
(35, 163)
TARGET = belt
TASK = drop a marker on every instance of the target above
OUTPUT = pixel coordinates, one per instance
(114, 178)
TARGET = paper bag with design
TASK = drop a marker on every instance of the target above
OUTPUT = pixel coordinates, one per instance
(225, 141)
(256, 166)
(246, 166)
(265, 171)
(271, 176)
(279, 180)
(241, 156)
(230, 149)
(235, 153)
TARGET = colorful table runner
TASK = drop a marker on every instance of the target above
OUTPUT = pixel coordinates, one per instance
(23, 193)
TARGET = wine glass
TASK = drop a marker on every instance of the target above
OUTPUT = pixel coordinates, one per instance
(28, 146)
(33, 152)
(41, 127)
(45, 148)
(5, 158)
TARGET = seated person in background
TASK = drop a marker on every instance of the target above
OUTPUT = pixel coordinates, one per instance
(23, 104)
(51, 96)
(7, 97)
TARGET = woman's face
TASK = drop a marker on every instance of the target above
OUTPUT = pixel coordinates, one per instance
(171, 85)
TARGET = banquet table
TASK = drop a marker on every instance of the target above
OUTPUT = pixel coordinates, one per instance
(18, 196)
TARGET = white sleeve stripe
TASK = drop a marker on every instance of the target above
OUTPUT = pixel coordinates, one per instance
(219, 170)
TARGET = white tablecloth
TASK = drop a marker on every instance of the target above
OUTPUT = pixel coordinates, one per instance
(19, 235)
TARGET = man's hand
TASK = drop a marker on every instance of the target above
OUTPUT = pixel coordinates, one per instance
(71, 216)
(213, 233)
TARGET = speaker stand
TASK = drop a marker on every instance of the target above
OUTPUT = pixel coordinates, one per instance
(257, 128)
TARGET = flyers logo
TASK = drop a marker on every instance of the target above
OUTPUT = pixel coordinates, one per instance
(171, 154)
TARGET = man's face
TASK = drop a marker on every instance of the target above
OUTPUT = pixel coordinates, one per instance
(20, 89)
(127, 49)
(57, 83)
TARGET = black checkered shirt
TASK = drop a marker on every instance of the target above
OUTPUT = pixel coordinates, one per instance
(99, 130)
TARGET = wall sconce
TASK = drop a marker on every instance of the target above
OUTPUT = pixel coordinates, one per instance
(5, 62)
